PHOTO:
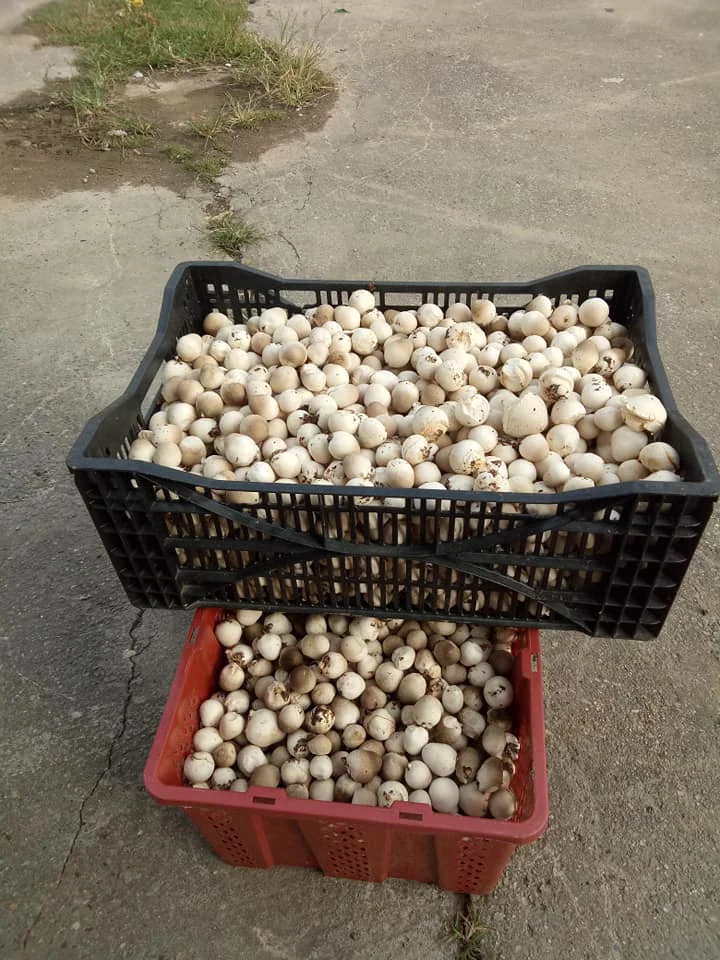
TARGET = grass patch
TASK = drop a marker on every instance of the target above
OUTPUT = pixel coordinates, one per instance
(232, 235)
(289, 73)
(205, 166)
(117, 37)
(96, 119)
(86, 96)
(235, 115)
(468, 932)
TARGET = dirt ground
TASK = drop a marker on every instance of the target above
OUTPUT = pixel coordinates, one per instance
(42, 152)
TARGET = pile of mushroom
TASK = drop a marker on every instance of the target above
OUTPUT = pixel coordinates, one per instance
(363, 711)
(548, 399)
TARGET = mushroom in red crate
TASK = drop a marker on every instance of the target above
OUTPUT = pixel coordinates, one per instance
(356, 812)
(325, 724)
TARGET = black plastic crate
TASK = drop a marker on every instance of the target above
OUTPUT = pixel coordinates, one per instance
(609, 563)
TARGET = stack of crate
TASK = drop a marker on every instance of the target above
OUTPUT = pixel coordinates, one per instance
(608, 562)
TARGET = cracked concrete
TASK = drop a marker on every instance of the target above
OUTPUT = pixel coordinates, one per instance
(25, 65)
(469, 140)
(133, 654)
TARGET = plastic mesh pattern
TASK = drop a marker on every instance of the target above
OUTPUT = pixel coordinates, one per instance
(478, 864)
(608, 562)
(221, 831)
(344, 850)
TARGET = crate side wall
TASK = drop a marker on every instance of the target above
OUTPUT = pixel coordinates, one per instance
(575, 577)
(264, 828)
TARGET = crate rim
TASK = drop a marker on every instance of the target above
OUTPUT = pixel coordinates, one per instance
(254, 800)
(709, 486)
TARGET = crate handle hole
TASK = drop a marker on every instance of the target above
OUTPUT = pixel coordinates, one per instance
(410, 816)
(270, 801)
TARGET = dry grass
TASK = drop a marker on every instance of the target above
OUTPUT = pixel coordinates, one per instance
(288, 72)
(115, 38)
(235, 115)
(468, 932)
(96, 119)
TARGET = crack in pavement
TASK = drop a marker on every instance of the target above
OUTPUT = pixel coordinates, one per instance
(306, 201)
(309, 183)
(117, 737)
(291, 245)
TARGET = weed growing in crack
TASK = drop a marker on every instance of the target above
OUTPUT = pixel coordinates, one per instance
(231, 234)
(467, 930)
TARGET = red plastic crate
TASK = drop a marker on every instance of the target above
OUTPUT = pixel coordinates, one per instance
(266, 828)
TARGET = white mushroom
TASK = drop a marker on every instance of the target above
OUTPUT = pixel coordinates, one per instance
(440, 758)
(629, 376)
(563, 316)
(444, 795)
(516, 374)
(593, 312)
(414, 739)
(627, 443)
(391, 792)
(644, 412)
(525, 416)
(659, 456)
(466, 457)
(498, 692)
(427, 712)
